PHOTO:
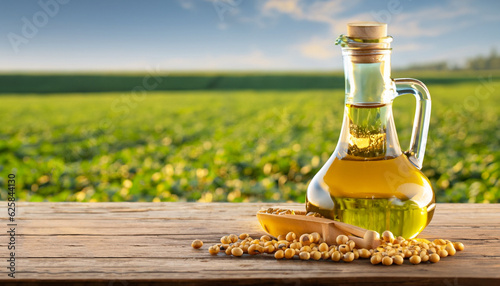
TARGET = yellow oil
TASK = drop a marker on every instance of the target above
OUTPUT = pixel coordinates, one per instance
(369, 187)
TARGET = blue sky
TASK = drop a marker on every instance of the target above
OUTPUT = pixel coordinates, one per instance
(112, 35)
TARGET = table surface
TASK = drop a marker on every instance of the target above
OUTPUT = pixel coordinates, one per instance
(150, 243)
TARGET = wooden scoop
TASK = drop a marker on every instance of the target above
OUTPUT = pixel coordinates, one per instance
(299, 223)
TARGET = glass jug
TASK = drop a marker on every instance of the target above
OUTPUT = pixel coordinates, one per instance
(368, 181)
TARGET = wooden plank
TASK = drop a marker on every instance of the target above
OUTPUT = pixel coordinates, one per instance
(149, 243)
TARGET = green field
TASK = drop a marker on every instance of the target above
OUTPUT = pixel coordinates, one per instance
(226, 144)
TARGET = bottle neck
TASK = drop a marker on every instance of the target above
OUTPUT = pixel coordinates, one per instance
(368, 82)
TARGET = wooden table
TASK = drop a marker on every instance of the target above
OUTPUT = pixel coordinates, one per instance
(149, 244)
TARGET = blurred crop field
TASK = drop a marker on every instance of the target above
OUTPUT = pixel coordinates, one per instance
(228, 144)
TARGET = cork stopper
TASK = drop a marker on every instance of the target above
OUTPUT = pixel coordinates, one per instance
(367, 30)
(367, 53)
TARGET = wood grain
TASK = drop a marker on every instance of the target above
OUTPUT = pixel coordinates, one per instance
(149, 244)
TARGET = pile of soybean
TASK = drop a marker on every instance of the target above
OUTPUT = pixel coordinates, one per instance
(312, 246)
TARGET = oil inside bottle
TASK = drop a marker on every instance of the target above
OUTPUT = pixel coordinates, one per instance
(368, 182)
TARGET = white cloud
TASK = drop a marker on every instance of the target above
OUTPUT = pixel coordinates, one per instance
(328, 12)
(402, 22)
(428, 22)
(318, 48)
(283, 6)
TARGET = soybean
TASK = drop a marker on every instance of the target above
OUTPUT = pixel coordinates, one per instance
(323, 247)
(336, 256)
(225, 240)
(459, 246)
(325, 255)
(197, 244)
(434, 258)
(252, 249)
(265, 238)
(237, 252)
(342, 239)
(306, 248)
(315, 237)
(450, 249)
(398, 259)
(233, 238)
(304, 255)
(305, 239)
(364, 253)
(289, 253)
(344, 248)
(351, 244)
(376, 259)
(387, 236)
(356, 253)
(291, 236)
(316, 255)
(443, 253)
(387, 260)
(415, 259)
(279, 254)
(214, 250)
(348, 257)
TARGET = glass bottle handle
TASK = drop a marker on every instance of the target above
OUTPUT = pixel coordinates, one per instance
(418, 141)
